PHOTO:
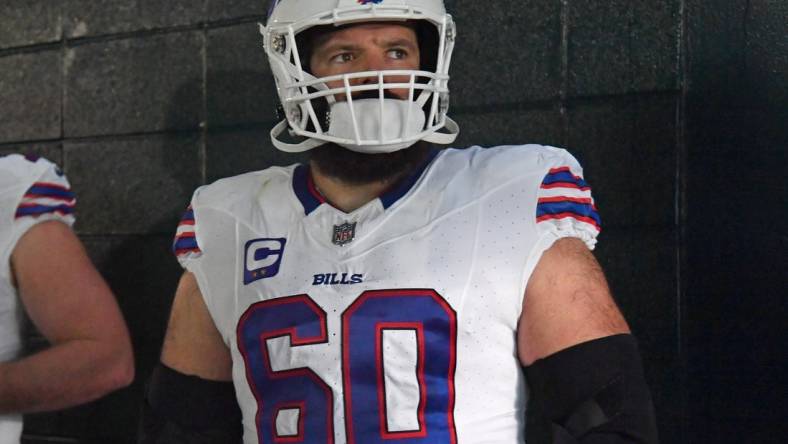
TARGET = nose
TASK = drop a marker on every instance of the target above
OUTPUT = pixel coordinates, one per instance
(372, 62)
(376, 61)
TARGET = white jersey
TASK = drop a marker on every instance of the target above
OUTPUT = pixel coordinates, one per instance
(31, 191)
(396, 321)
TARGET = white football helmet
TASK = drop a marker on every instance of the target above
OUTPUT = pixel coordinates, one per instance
(379, 125)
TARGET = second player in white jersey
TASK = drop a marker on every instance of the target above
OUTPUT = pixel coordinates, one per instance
(31, 191)
(45, 273)
(395, 321)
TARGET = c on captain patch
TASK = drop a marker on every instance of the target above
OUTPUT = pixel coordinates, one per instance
(262, 258)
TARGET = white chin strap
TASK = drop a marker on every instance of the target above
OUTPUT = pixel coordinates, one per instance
(372, 126)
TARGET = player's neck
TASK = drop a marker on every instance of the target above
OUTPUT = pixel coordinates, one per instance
(348, 197)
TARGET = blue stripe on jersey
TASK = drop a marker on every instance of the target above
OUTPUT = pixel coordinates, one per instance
(188, 215)
(36, 210)
(388, 198)
(301, 188)
(564, 176)
(580, 209)
(185, 243)
(50, 191)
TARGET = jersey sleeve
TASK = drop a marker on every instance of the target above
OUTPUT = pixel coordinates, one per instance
(32, 191)
(565, 207)
(198, 247)
(47, 197)
(185, 245)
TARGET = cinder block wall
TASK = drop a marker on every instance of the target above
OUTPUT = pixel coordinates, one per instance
(736, 230)
(141, 101)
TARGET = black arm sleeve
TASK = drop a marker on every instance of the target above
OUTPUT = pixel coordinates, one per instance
(595, 393)
(184, 409)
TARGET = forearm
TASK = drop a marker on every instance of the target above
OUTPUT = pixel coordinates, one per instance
(67, 374)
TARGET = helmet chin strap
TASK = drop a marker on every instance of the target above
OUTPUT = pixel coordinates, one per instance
(281, 145)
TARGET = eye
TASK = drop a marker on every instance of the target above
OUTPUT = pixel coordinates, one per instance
(342, 57)
(398, 53)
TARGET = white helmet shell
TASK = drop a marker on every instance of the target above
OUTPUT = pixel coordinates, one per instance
(368, 125)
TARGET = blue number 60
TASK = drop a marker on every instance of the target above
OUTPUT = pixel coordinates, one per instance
(363, 323)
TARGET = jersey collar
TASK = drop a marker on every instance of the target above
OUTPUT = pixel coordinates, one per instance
(311, 199)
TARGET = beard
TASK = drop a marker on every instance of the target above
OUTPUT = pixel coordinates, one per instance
(354, 168)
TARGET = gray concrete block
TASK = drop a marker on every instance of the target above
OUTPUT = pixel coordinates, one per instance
(134, 85)
(598, 47)
(654, 44)
(29, 22)
(655, 161)
(505, 54)
(628, 148)
(138, 185)
(226, 9)
(240, 87)
(767, 54)
(30, 96)
(716, 38)
(600, 136)
(100, 17)
(512, 127)
(621, 46)
(241, 151)
(145, 303)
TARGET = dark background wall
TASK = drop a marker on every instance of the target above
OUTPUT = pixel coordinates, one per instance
(676, 108)
(736, 235)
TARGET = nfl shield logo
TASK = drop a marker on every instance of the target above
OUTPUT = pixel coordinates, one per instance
(344, 234)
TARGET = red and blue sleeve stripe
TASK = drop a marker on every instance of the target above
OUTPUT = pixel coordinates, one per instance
(49, 191)
(188, 217)
(185, 238)
(567, 207)
(37, 210)
(564, 178)
(565, 195)
(186, 243)
(46, 198)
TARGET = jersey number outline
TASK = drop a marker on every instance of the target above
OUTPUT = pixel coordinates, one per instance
(363, 323)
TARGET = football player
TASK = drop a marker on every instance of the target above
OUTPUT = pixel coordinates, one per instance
(46, 272)
(387, 291)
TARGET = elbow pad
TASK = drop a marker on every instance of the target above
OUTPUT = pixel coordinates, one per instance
(184, 409)
(595, 393)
